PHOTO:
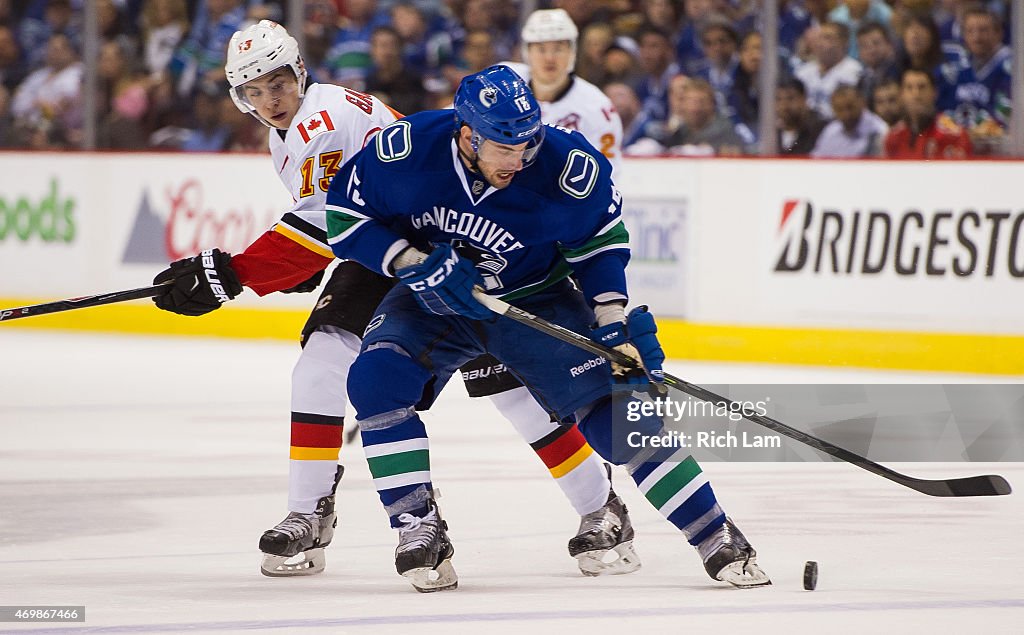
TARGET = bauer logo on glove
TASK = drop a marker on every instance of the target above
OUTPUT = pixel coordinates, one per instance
(199, 284)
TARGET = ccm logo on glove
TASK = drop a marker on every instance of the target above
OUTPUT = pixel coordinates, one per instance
(438, 276)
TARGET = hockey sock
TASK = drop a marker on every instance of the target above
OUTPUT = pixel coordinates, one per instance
(577, 470)
(318, 414)
(670, 479)
(394, 438)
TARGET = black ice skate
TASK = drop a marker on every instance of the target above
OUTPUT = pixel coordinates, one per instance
(295, 546)
(604, 543)
(729, 557)
(424, 552)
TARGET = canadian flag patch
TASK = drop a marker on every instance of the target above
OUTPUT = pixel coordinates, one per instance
(314, 125)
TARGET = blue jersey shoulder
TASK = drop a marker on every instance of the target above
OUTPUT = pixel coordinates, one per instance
(568, 170)
(414, 143)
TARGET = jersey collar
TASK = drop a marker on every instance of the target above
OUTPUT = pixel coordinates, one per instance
(476, 188)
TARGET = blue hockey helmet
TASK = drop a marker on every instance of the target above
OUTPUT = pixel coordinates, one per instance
(498, 105)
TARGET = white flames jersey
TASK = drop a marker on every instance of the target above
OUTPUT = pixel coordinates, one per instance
(586, 109)
(332, 125)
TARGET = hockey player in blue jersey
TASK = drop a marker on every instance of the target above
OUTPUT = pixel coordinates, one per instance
(488, 197)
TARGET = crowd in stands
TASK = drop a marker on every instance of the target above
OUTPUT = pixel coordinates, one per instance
(858, 78)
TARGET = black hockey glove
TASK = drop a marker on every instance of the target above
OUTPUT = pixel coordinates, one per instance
(307, 285)
(201, 284)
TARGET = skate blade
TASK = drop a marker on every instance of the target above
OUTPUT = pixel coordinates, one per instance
(309, 562)
(619, 560)
(427, 580)
(744, 575)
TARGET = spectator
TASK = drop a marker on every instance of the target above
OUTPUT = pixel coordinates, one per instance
(798, 124)
(830, 67)
(389, 79)
(977, 94)
(35, 33)
(47, 107)
(663, 13)
(921, 134)
(856, 131)
(6, 124)
(584, 12)
(744, 100)
(885, 101)
(319, 28)
(426, 48)
(478, 52)
(207, 134)
(200, 59)
(694, 127)
(854, 13)
(720, 42)
(113, 23)
(485, 15)
(794, 19)
(626, 103)
(164, 23)
(123, 100)
(7, 15)
(620, 65)
(12, 67)
(689, 52)
(877, 55)
(699, 129)
(657, 68)
(594, 42)
(348, 60)
(920, 47)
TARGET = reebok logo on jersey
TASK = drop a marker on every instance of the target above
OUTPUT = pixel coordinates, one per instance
(314, 125)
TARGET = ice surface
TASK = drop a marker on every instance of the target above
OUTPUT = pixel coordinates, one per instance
(137, 474)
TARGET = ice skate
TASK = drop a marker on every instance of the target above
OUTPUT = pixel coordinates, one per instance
(729, 557)
(604, 543)
(295, 546)
(424, 552)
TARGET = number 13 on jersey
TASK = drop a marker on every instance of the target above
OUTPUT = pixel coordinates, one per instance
(329, 161)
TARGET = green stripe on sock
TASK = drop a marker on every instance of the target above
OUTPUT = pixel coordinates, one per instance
(672, 482)
(400, 463)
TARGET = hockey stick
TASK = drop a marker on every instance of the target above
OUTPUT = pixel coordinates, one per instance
(84, 302)
(987, 485)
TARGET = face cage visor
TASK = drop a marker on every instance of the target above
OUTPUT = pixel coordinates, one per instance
(529, 153)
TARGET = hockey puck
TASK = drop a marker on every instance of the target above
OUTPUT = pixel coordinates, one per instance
(810, 575)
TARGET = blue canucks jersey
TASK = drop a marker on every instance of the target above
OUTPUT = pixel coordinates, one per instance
(972, 96)
(560, 216)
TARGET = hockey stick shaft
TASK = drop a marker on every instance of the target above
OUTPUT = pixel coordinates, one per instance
(986, 485)
(84, 302)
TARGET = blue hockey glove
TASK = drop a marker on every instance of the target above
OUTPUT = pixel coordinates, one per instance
(443, 284)
(634, 337)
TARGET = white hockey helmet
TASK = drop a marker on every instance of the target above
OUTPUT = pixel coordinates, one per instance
(550, 25)
(257, 50)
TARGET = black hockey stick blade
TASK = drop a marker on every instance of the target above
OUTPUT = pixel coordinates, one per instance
(84, 302)
(987, 485)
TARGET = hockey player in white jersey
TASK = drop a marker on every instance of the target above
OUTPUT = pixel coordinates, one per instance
(549, 50)
(314, 130)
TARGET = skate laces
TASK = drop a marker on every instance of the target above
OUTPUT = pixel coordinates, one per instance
(727, 534)
(416, 531)
(296, 525)
(603, 520)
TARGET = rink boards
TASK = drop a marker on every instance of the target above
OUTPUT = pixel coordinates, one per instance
(871, 264)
